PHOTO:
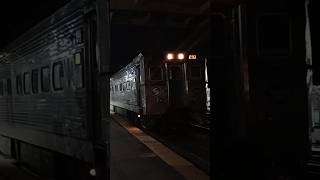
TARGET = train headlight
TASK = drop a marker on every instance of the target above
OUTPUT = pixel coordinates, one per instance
(170, 56)
(181, 56)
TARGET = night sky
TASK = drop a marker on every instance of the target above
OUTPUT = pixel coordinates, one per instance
(128, 41)
(16, 17)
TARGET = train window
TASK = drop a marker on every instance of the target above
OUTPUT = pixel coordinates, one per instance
(9, 90)
(124, 86)
(195, 72)
(45, 79)
(34, 76)
(58, 75)
(274, 41)
(128, 85)
(19, 84)
(78, 71)
(26, 83)
(78, 36)
(175, 73)
(1, 87)
(155, 73)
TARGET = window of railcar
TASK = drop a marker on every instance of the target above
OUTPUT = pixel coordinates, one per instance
(128, 85)
(195, 72)
(1, 87)
(19, 84)
(124, 86)
(79, 36)
(26, 83)
(45, 79)
(274, 41)
(34, 76)
(175, 73)
(155, 74)
(58, 75)
(78, 70)
(9, 89)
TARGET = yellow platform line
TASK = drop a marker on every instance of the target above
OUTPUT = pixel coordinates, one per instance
(183, 166)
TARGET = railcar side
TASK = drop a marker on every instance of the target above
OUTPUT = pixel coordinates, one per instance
(46, 84)
(125, 87)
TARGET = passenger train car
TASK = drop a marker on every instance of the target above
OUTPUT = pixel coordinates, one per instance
(47, 91)
(151, 87)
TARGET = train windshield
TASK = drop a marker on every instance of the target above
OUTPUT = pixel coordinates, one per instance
(156, 73)
(175, 73)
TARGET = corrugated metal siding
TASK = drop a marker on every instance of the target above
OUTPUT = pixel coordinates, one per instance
(56, 120)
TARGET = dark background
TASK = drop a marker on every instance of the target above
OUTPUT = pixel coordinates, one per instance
(127, 39)
(16, 17)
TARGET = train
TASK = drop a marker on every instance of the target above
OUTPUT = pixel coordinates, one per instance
(48, 87)
(159, 91)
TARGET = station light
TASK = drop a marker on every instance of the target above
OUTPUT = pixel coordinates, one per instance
(181, 56)
(170, 56)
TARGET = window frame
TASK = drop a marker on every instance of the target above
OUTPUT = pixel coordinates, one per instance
(41, 75)
(24, 83)
(161, 76)
(190, 72)
(19, 86)
(61, 78)
(32, 81)
(9, 86)
(74, 66)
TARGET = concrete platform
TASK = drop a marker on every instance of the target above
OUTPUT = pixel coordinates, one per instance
(132, 160)
(135, 155)
(8, 171)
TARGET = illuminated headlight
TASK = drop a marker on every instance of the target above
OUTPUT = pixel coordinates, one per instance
(170, 56)
(180, 56)
(139, 116)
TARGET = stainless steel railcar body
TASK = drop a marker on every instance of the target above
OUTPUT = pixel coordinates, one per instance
(45, 83)
(132, 89)
(152, 88)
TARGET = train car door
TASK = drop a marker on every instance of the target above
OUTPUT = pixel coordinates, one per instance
(176, 86)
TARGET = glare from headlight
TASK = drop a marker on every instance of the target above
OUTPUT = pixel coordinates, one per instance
(170, 56)
(180, 56)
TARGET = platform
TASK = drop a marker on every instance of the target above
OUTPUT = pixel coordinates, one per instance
(136, 155)
(9, 171)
